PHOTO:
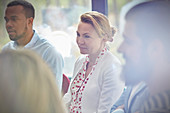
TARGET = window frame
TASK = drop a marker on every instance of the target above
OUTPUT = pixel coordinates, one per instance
(100, 6)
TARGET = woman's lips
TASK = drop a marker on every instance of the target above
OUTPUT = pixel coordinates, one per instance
(82, 47)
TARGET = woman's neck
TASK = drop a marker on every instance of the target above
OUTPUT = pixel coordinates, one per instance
(92, 57)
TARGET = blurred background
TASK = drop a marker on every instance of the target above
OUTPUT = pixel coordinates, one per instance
(57, 21)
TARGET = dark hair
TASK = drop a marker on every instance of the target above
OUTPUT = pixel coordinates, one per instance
(151, 20)
(28, 7)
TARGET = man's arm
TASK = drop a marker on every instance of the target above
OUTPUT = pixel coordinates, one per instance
(56, 63)
(119, 102)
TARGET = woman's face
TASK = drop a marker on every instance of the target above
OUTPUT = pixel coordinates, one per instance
(88, 40)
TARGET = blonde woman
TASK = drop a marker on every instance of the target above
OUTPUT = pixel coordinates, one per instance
(27, 85)
(95, 84)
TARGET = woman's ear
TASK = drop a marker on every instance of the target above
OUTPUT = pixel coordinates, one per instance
(105, 37)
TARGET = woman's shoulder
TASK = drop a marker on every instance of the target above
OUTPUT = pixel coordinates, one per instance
(81, 59)
(111, 59)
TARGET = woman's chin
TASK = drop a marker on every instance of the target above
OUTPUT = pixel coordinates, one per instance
(83, 52)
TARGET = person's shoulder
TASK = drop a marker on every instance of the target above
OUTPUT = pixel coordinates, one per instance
(42, 40)
(110, 58)
(79, 63)
(81, 59)
(42, 45)
(9, 45)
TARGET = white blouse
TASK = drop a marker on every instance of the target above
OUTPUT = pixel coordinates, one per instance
(79, 83)
(100, 90)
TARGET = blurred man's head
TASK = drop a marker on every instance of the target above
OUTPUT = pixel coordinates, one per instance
(146, 40)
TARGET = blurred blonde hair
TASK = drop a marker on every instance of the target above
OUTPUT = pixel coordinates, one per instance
(100, 23)
(27, 85)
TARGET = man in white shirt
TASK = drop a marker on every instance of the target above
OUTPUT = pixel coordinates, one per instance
(19, 16)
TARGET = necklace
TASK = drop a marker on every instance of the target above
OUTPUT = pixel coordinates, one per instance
(89, 65)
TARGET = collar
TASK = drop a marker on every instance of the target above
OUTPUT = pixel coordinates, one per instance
(31, 43)
(101, 54)
(33, 40)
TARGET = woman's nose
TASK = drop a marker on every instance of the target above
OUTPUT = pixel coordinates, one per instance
(80, 40)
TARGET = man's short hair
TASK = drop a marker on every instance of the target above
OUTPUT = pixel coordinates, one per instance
(152, 19)
(28, 7)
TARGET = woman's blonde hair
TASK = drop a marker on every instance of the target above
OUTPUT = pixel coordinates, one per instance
(100, 23)
(27, 85)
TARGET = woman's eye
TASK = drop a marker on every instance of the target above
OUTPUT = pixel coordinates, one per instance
(86, 36)
(78, 34)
